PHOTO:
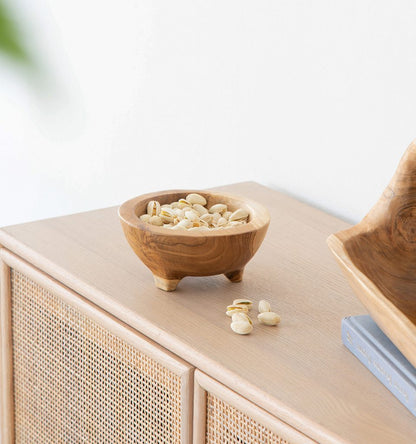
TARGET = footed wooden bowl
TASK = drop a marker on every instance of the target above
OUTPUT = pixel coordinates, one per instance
(171, 255)
(378, 256)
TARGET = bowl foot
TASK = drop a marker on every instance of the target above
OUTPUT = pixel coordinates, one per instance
(235, 276)
(166, 284)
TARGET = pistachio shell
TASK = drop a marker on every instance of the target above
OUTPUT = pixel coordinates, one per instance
(145, 217)
(191, 216)
(221, 222)
(231, 309)
(178, 227)
(218, 208)
(194, 198)
(215, 218)
(269, 318)
(227, 214)
(180, 214)
(182, 203)
(186, 223)
(156, 220)
(241, 317)
(206, 218)
(200, 228)
(241, 327)
(239, 214)
(200, 209)
(244, 302)
(167, 215)
(264, 306)
(153, 208)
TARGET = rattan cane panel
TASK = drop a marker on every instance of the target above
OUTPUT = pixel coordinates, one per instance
(227, 425)
(75, 382)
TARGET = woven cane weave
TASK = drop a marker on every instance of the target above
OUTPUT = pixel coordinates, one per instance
(75, 382)
(227, 425)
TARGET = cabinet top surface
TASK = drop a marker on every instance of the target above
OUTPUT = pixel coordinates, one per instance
(299, 371)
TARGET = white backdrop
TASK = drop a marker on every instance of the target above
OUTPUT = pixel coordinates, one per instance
(315, 98)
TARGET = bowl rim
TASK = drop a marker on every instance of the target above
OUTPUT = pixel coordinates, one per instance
(127, 214)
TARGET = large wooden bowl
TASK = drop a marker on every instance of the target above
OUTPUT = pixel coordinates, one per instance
(171, 255)
(378, 256)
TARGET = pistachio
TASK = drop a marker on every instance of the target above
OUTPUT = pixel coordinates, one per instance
(167, 215)
(180, 214)
(206, 218)
(145, 217)
(241, 317)
(153, 208)
(200, 228)
(186, 223)
(156, 220)
(218, 208)
(221, 222)
(200, 209)
(268, 318)
(178, 227)
(239, 214)
(215, 218)
(193, 209)
(231, 309)
(241, 327)
(182, 203)
(264, 306)
(194, 198)
(235, 223)
(190, 215)
(244, 302)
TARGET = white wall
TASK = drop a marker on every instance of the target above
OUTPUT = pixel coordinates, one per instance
(316, 98)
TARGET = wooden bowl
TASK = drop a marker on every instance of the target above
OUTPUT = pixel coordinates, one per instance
(378, 256)
(171, 255)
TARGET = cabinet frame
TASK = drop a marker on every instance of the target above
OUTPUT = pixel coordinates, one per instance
(204, 383)
(176, 365)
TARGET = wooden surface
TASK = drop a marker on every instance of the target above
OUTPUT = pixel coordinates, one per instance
(298, 371)
(171, 255)
(378, 256)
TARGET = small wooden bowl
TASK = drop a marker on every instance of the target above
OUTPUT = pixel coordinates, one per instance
(378, 256)
(171, 255)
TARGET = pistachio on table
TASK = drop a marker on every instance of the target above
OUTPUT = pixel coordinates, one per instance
(241, 327)
(268, 318)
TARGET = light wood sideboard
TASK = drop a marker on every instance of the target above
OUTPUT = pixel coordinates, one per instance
(92, 352)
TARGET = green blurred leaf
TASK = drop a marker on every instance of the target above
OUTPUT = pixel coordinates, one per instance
(10, 38)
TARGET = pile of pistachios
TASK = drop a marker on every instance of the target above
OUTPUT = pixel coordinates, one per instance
(241, 321)
(191, 213)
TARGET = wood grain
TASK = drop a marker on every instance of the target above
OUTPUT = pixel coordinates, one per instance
(378, 256)
(299, 371)
(172, 255)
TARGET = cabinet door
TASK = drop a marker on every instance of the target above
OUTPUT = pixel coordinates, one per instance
(75, 374)
(223, 416)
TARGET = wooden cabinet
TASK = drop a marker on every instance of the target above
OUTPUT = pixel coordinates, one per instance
(92, 352)
(223, 416)
(80, 375)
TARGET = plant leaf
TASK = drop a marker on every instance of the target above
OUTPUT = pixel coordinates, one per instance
(10, 39)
